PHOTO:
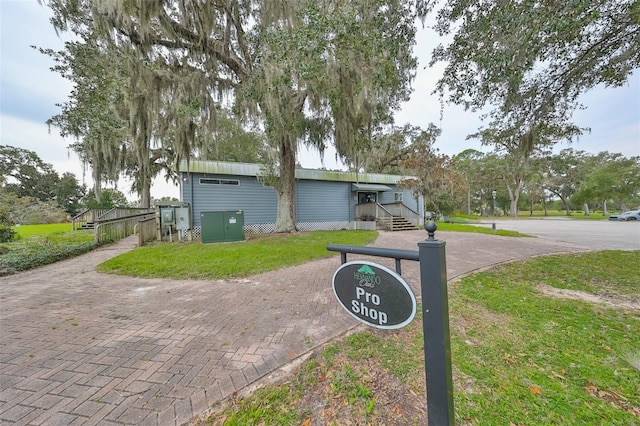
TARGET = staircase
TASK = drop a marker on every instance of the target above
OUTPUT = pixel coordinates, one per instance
(396, 223)
(88, 225)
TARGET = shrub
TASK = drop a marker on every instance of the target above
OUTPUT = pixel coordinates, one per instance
(6, 233)
(34, 251)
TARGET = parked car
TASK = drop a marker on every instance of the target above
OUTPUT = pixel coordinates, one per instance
(630, 215)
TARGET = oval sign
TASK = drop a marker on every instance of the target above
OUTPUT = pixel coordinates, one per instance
(374, 294)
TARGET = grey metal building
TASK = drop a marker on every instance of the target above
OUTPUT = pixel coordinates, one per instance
(325, 199)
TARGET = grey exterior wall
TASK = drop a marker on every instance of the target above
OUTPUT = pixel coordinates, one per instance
(316, 200)
(258, 202)
(407, 198)
(319, 201)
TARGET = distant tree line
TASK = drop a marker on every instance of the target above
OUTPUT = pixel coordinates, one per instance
(31, 191)
(577, 180)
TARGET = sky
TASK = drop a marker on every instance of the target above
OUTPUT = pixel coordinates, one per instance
(29, 92)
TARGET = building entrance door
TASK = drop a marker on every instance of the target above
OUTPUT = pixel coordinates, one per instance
(367, 197)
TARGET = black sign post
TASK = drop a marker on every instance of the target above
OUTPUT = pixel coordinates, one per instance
(374, 294)
(435, 318)
(435, 329)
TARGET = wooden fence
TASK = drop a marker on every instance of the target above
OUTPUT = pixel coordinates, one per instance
(115, 229)
(92, 216)
(147, 230)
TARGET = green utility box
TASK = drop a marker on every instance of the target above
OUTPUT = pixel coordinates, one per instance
(223, 226)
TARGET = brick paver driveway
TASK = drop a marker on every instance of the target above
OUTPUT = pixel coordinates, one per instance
(79, 347)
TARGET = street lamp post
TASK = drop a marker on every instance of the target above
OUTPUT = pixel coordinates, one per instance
(493, 194)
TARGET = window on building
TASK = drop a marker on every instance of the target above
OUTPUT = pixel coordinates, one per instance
(210, 181)
(398, 196)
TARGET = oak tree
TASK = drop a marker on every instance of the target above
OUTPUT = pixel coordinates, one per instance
(527, 63)
(308, 71)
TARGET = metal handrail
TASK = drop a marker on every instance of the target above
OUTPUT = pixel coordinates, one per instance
(396, 254)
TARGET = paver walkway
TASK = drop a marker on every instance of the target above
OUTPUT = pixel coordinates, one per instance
(79, 347)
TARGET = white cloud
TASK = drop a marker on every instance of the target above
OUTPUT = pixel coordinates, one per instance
(50, 147)
(613, 114)
(53, 149)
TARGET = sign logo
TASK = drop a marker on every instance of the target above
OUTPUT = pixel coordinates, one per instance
(374, 294)
(366, 276)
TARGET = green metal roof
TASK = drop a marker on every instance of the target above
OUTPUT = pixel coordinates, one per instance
(249, 169)
(369, 187)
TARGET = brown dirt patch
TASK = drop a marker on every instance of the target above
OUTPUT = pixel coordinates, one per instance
(617, 301)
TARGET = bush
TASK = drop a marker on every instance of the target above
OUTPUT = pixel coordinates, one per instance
(6, 234)
(38, 251)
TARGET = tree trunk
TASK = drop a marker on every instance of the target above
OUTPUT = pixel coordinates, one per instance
(513, 209)
(286, 214)
(97, 184)
(143, 182)
(586, 209)
(514, 196)
(145, 197)
(605, 210)
(545, 206)
(531, 207)
(566, 206)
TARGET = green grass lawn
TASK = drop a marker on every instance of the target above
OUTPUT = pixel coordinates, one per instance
(240, 259)
(578, 215)
(464, 227)
(42, 230)
(537, 214)
(558, 361)
(519, 356)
